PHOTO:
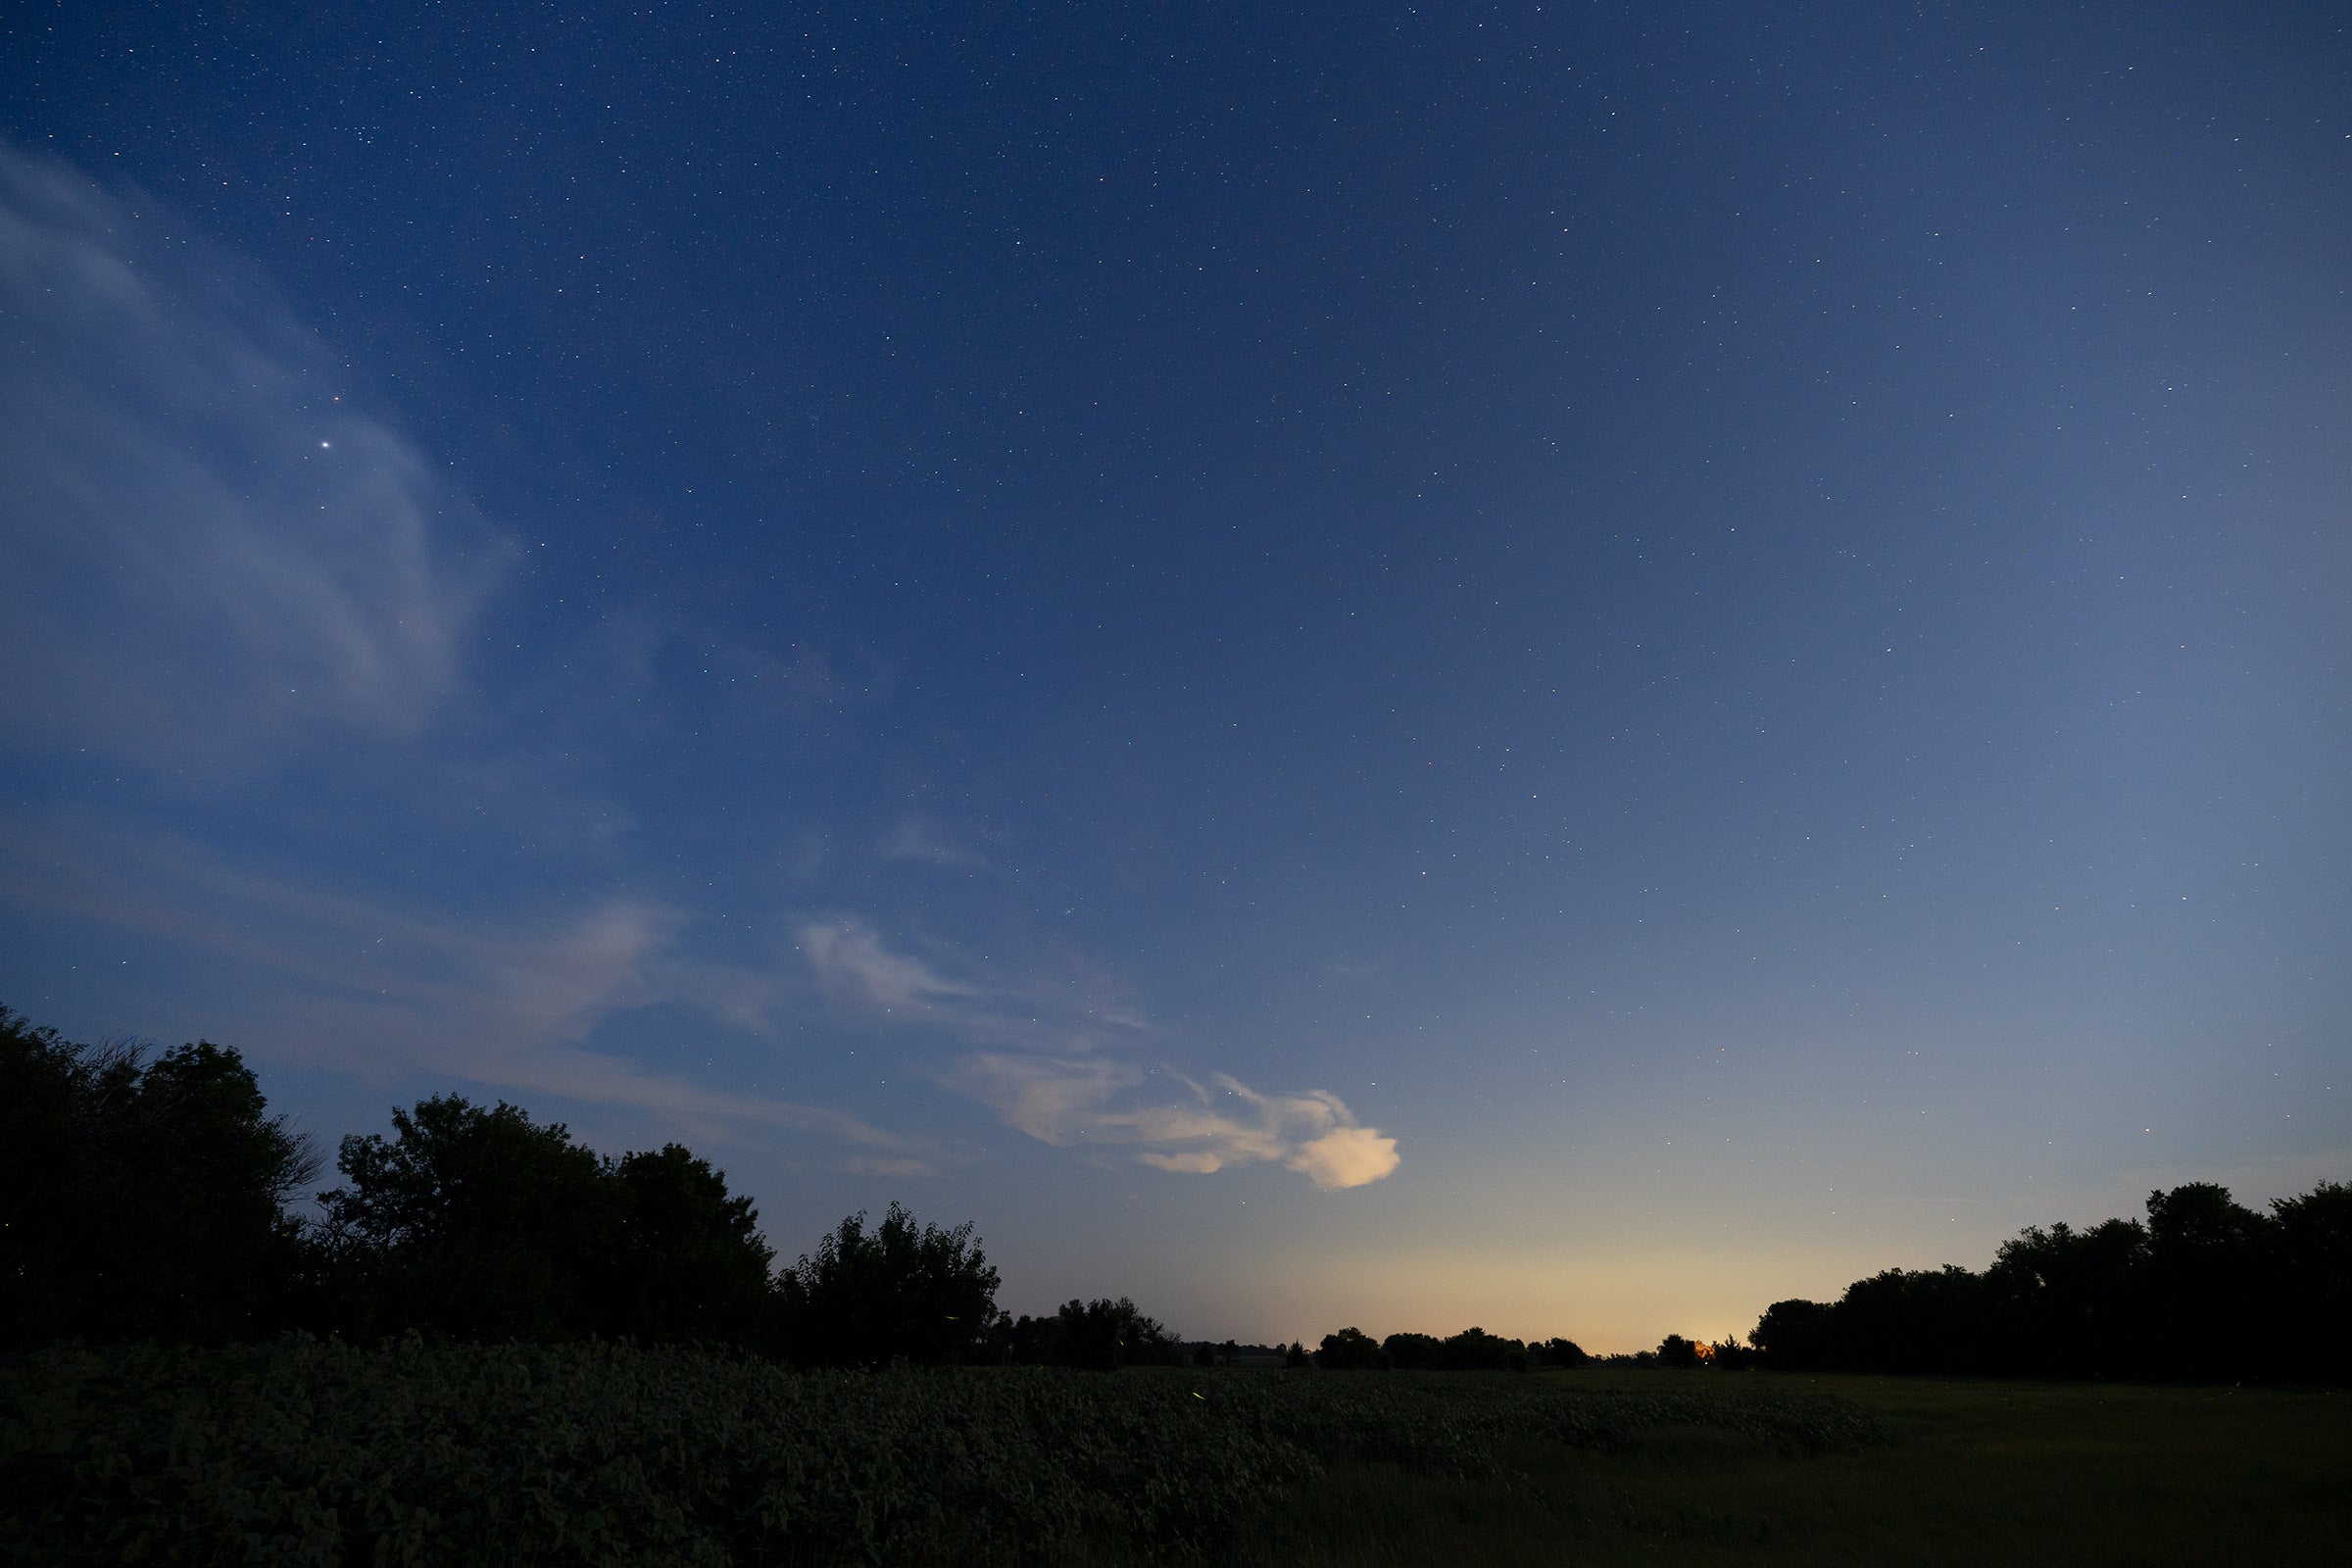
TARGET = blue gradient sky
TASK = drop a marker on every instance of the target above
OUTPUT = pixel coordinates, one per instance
(1568, 667)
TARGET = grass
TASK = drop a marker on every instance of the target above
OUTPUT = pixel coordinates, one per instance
(1973, 1472)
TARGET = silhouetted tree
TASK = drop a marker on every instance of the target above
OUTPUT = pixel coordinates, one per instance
(2314, 1240)
(1914, 1320)
(140, 1197)
(1025, 1341)
(1474, 1349)
(1678, 1354)
(902, 1291)
(1796, 1336)
(473, 1222)
(2068, 1303)
(2209, 1263)
(1104, 1335)
(1350, 1350)
(2206, 1288)
(690, 1264)
(1559, 1352)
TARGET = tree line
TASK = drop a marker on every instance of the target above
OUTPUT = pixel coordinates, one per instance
(150, 1196)
(1473, 1349)
(2204, 1289)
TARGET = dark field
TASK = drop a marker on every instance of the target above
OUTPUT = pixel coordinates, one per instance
(1971, 1473)
(309, 1453)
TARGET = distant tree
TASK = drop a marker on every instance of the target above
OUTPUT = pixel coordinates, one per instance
(1916, 1320)
(1678, 1354)
(1350, 1350)
(1104, 1335)
(1796, 1336)
(2072, 1303)
(2210, 1262)
(475, 1222)
(1559, 1352)
(1025, 1341)
(1154, 1345)
(902, 1291)
(1296, 1358)
(1474, 1349)
(2314, 1239)
(141, 1198)
(2206, 1288)
(1413, 1352)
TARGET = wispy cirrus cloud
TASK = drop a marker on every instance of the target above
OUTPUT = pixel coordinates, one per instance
(859, 972)
(210, 546)
(360, 986)
(1058, 1099)
(853, 965)
(1064, 1074)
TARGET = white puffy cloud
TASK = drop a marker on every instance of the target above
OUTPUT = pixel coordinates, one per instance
(1344, 1156)
(208, 544)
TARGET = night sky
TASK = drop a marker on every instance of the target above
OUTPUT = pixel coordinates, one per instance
(1568, 667)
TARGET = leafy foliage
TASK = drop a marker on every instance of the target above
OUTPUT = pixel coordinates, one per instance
(473, 1221)
(139, 1196)
(480, 1223)
(1473, 1349)
(1098, 1336)
(1352, 1349)
(1104, 1335)
(902, 1291)
(1677, 1352)
(692, 1264)
(306, 1452)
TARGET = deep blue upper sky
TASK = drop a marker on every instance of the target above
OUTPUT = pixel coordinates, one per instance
(1567, 666)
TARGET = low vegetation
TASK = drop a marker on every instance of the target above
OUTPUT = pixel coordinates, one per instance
(314, 1451)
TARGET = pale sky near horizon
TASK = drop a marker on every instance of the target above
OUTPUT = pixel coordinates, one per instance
(1568, 667)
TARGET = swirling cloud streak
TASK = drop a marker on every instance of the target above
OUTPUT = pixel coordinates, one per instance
(210, 546)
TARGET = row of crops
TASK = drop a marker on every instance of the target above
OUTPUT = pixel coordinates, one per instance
(311, 1451)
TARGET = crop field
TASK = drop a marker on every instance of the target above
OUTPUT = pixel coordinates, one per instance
(304, 1451)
